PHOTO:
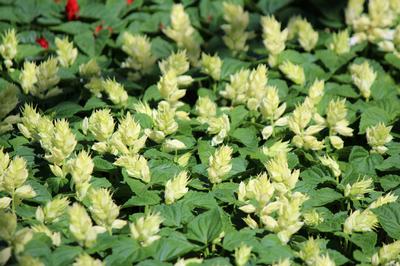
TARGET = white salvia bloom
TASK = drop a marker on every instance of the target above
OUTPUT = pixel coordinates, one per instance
(259, 189)
(9, 47)
(279, 148)
(41, 228)
(380, 13)
(28, 77)
(360, 221)
(382, 200)
(176, 187)
(308, 37)
(235, 30)
(336, 118)
(211, 65)
(145, 228)
(332, 164)
(103, 209)
(237, 88)
(242, 254)
(206, 109)
(136, 166)
(219, 164)
(269, 107)
(177, 62)
(312, 218)
(90, 69)
(170, 145)
(164, 119)
(5, 202)
(310, 251)
(218, 126)
(53, 210)
(378, 136)
(81, 169)
(340, 43)
(81, 227)
(101, 124)
(363, 77)
(47, 79)
(257, 86)
(169, 89)
(285, 262)
(278, 170)
(273, 38)
(138, 47)
(387, 254)
(189, 262)
(182, 32)
(293, 72)
(353, 10)
(316, 91)
(86, 260)
(115, 91)
(66, 52)
(324, 260)
(357, 190)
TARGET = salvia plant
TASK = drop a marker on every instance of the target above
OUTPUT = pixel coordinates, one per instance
(138, 132)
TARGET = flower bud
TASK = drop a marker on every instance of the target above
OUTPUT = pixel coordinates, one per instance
(47, 78)
(4, 202)
(219, 164)
(138, 47)
(382, 200)
(136, 166)
(170, 145)
(66, 52)
(9, 47)
(211, 65)
(8, 225)
(387, 254)
(101, 124)
(90, 69)
(235, 30)
(353, 10)
(378, 136)
(331, 164)
(15, 175)
(63, 142)
(86, 260)
(293, 72)
(358, 221)
(53, 210)
(312, 218)
(308, 37)
(363, 77)
(336, 142)
(220, 127)
(145, 228)
(273, 38)
(340, 43)
(176, 187)
(28, 77)
(176, 62)
(205, 108)
(250, 222)
(168, 87)
(115, 91)
(242, 254)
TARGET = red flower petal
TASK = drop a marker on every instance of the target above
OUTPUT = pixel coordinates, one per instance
(42, 42)
(129, 1)
(72, 9)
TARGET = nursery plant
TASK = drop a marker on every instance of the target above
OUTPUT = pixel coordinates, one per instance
(138, 132)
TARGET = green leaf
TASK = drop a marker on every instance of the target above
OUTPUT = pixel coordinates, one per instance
(322, 196)
(65, 255)
(247, 136)
(206, 227)
(143, 199)
(276, 251)
(231, 66)
(171, 248)
(72, 27)
(101, 164)
(65, 109)
(364, 162)
(389, 219)
(371, 117)
(86, 42)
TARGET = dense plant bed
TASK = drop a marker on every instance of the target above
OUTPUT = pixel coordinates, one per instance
(202, 132)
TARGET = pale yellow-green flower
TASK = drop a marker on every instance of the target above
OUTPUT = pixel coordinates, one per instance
(353, 10)
(138, 48)
(308, 37)
(176, 187)
(382, 200)
(312, 218)
(54, 236)
(293, 72)
(168, 86)
(237, 21)
(218, 126)
(53, 210)
(388, 254)
(66, 52)
(47, 79)
(309, 251)
(363, 77)
(172, 145)
(27, 260)
(378, 136)
(90, 69)
(259, 189)
(136, 166)
(9, 47)
(28, 77)
(5, 202)
(332, 164)
(188, 262)
(177, 62)
(340, 43)
(183, 33)
(360, 221)
(205, 108)
(146, 228)
(273, 38)
(115, 91)
(278, 169)
(103, 209)
(242, 254)
(81, 227)
(101, 124)
(237, 88)
(219, 164)
(358, 189)
(278, 148)
(336, 118)
(86, 260)
(257, 86)
(81, 168)
(211, 65)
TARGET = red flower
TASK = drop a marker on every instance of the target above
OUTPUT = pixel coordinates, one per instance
(129, 2)
(98, 29)
(72, 9)
(42, 42)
